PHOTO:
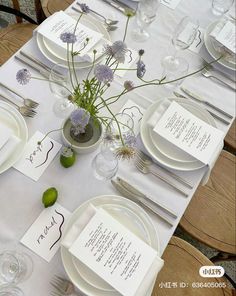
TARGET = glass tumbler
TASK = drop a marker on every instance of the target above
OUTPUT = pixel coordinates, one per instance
(220, 7)
(10, 290)
(15, 267)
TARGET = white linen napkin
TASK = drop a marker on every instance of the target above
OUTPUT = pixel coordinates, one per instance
(8, 148)
(155, 118)
(5, 134)
(78, 227)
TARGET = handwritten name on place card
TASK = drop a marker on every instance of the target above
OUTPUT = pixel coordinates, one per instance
(44, 235)
(37, 157)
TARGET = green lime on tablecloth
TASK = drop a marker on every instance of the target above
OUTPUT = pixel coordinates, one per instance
(49, 197)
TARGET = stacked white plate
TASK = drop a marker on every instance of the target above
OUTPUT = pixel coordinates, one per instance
(127, 213)
(53, 53)
(215, 50)
(12, 119)
(165, 152)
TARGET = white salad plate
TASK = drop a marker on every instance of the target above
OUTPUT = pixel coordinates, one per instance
(12, 119)
(165, 152)
(212, 45)
(54, 54)
(127, 213)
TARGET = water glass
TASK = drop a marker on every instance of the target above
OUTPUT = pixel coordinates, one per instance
(105, 164)
(220, 7)
(145, 15)
(15, 267)
(10, 290)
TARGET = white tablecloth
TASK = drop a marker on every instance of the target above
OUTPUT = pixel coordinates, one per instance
(20, 197)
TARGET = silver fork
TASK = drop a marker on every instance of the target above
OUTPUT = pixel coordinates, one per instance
(107, 21)
(109, 27)
(146, 160)
(27, 102)
(62, 287)
(208, 74)
(147, 170)
(25, 111)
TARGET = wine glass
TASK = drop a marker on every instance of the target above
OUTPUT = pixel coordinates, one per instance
(145, 15)
(61, 86)
(15, 267)
(10, 290)
(183, 36)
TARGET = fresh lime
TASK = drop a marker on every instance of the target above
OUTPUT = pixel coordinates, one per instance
(49, 197)
(67, 157)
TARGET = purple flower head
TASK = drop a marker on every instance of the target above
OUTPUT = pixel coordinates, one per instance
(141, 69)
(103, 73)
(84, 8)
(23, 76)
(118, 50)
(68, 37)
(79, 119)
(128, 85)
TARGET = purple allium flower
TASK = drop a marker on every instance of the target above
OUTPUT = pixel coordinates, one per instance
(68, 37)
(141, 69)
(118, 50)
(84, 7)
(79, 119)
(128, 85)
(23, 76)
(103, 73)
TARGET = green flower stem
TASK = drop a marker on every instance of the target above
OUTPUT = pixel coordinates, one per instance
(68, 63)
(114, 97)
(52, 131)
(48, 80)
(94, 55)
(126, 28)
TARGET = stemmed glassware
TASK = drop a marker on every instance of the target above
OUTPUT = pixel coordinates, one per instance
(15, 267)
(183, 36)
(10, 290)
(60, 86)
(105, 163)
(145, 15)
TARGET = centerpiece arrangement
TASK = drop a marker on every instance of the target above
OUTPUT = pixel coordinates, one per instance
(84, 126)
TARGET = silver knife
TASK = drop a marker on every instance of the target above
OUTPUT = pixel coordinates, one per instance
(212, 113)
(43, 72)
(135, 191)
(119, 6)
(139, 200)
(198, 98)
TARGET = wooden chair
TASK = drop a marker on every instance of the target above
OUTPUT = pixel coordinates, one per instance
(51, 6)
(16, 35)
(182, 264)
(230, 139)
(211, 217)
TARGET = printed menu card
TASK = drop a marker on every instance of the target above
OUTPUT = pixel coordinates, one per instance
(114, 253)
(189, 133)
(60, 23)
(226, 36)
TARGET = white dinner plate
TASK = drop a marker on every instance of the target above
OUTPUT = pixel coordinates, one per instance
(11, 118)
(211, 47)
(49, 50)
(126, 212)
(154, 150)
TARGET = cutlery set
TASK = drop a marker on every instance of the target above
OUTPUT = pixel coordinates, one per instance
(27, 109)
(63, 287)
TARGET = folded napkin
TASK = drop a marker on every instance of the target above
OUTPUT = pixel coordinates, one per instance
(8, 148)
(5, 134)
(78, 227)
(156, 117)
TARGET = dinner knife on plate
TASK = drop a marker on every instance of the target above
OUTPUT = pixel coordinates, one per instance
(120, 6)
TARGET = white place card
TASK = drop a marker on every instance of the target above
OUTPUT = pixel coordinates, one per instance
(198, 41)
(60, 23)
(170, 3)
(130, 58)
(226, 36)
(37, 156)
(44, 235)
(136, 113)
(114, 253)
(189, 133)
